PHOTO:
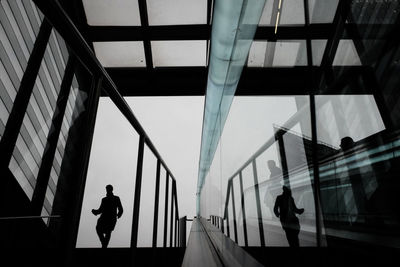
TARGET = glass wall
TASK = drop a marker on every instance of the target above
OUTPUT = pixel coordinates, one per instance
(288, 178)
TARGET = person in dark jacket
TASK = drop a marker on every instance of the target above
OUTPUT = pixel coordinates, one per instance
(110, 209)
(286, 210)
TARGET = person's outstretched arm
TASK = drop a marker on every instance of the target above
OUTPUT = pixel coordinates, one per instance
(296, 210)
(120, 209)
(99, 210)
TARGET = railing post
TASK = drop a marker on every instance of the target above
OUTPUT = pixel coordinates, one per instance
(243, 209)
(171, 222)
(156, 201)
(136, 203)
(182, 231)
(166, 210)
(234, 214)
(259, 214)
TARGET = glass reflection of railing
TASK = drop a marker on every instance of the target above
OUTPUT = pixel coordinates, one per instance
(341, 203)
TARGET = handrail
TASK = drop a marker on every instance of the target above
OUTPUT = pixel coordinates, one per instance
(66, 28)
(29, 217)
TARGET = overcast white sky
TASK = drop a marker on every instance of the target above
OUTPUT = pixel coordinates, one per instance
(174, 126)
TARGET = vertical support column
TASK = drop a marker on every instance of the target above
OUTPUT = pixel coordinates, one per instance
(43, 177)
(21, 102)
(166, 210)
(243, 209)
(176, 212)
(226, 211)
(259, 214)
(156, 201)
(222, 225)
(318, 215)
(282, 154)
(72, 221)
(176, 229)
(234, 213)
(138, 189)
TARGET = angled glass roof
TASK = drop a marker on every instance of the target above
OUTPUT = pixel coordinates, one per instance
(346, 54)
(322, 11)
(177, 12)
(112, 13)
(179, 53)
(288, 53)
(120, 54)
(292, 13)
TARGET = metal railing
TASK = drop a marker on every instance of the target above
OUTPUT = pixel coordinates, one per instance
(58, 18)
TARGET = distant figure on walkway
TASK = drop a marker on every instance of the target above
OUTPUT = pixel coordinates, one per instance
(286, 210)
(108, 218)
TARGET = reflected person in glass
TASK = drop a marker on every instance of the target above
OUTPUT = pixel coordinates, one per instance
(286, 210)
(110, 209)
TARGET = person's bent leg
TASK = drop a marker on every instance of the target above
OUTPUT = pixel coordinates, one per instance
(101, 236)
(107, 236)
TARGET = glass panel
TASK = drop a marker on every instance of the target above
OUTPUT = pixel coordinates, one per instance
(75, 99)
(169, 212)
(32, 138)
(238, 210)
(346, 54)
(146, 213)
(278, 54)
(281, 136)
(174, 12)
(112, 13)
(340, 116)
(111, 126)
(292, 13)
(18, 31)
(322, 11)
(120, 54)
(161, 208)
(249, 194)
(179, 53)
(318, 49)
(357, 176)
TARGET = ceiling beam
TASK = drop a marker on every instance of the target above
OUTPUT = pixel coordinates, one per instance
(203, 32)
(192, 81)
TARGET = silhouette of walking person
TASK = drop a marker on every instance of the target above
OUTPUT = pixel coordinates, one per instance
(286, 210)
(108, 218)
